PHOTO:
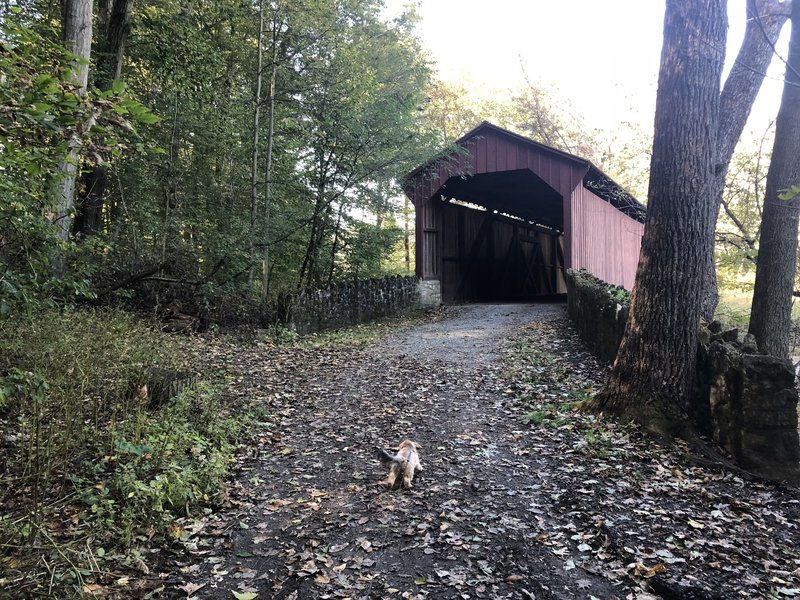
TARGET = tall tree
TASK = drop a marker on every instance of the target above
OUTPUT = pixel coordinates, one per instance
(651, 376)
(739, 223)
(452, 113)
(770, 316)
(39, 115)
(114, 21)
(78, 39)
(185, 61)
(542, 117)
(256, 134)
(277, 27)
(765, 19)
(361, 99)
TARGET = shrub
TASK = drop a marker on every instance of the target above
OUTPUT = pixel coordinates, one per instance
(72, 380)
(90, 455)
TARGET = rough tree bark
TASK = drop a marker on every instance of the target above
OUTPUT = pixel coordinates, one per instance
(765, 19)
(115, 25)
(650, 379)
(770, 318)
(78, 39)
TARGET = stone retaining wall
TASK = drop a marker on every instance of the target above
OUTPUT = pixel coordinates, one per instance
(749, 402)
(343, 304)
(746, 401)
(430, 291)
(598, 310)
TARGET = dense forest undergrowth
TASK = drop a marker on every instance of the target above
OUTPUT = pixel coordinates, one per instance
(103, 446)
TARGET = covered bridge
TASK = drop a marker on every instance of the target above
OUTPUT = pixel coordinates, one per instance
(502, 216)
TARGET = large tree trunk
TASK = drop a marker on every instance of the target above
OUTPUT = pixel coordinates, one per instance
(765, 19)
(90, 205)
(78, 39)
(335, 245)
(651, 377)
(115, 25)
(770, 316)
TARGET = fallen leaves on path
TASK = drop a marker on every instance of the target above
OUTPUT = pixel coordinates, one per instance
(637, 509)
(522, 496)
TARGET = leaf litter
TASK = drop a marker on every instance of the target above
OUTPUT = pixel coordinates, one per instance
(523, 495)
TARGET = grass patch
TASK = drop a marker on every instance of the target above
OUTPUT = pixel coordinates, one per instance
(547, 384)
(597, 442)
(553, 418)
(95, 464)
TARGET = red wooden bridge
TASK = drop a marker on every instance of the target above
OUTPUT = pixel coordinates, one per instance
(502, 216)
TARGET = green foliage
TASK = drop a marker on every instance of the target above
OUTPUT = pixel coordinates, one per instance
(620, 294)
(364, 247)
(739, 224)
(346, 126)
(95, 355)
(88, 443)
(454, 108)
(71, 380)
(547, 418)
(39, 110)
(178, 461)
(789, 193)
(175, 136)
(41, 114)
(284, 335)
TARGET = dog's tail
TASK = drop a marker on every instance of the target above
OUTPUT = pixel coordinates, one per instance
(386, 458)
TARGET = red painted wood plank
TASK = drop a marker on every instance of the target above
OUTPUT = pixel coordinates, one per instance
(491, 154)
(603, 240)
(480, 155)
(502, 156)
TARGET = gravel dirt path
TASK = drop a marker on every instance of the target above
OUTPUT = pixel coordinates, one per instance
(503, 509)
(471, 335)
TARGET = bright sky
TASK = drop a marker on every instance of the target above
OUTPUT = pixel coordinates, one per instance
(600, 55)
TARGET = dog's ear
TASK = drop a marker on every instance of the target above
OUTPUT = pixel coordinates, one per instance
(416, 445)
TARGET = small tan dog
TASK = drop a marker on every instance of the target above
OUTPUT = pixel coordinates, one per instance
(405, 462)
